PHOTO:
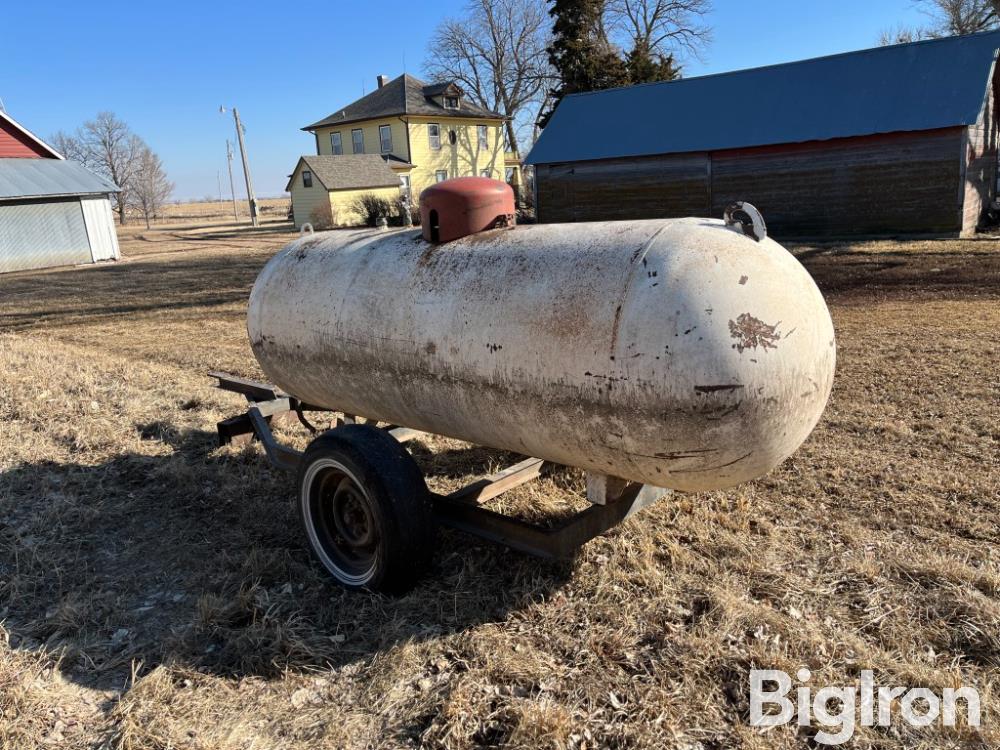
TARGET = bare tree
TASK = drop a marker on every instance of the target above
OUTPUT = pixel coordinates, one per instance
(660, 27)
(947, 18)
(107, 146)
(149, 187)
(70, 146)
(496, 53)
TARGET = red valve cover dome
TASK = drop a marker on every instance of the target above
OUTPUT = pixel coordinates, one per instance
(465, 205)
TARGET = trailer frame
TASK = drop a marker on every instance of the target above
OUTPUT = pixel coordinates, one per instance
(612, 500)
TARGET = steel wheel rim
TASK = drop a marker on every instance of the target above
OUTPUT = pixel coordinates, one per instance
(341, 522)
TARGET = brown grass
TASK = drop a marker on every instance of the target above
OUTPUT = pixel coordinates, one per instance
(155, 591)
(201, 212)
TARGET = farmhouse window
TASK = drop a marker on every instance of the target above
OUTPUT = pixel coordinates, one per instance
(434, 136)
(451, 102)
(486, 173)
(508, 174)
(307, 178)
(404, 182)
(441, 175)
(484, 138)
(336, 143)
(385, 138)
(358, 140)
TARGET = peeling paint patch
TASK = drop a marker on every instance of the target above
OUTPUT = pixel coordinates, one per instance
(743, 280)
(750, 332)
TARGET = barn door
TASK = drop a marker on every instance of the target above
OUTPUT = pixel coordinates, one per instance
(100, 228)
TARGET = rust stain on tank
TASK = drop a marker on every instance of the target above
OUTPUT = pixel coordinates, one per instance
(751, 332)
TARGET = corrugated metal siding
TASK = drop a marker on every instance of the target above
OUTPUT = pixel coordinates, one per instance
(29, 178)
(41, 235)
(100, 228)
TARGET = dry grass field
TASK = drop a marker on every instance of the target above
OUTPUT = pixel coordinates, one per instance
(203, 212)
(155, 591)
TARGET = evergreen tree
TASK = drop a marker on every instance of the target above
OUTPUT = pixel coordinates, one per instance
(580, 52)
(646, 67)
(585, 59)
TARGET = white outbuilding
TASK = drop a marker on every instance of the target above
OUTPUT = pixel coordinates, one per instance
(53, 212)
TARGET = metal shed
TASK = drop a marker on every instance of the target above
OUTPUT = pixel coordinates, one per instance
(53, 212)
(896, 139)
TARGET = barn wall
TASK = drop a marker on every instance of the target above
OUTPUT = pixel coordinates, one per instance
(15, 144)
(896, 183)
(980, 154)
(42, 233)
(614, 189)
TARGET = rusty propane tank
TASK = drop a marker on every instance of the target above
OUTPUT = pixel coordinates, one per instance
(691, 353)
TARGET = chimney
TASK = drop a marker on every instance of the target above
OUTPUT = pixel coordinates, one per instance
(381, 81)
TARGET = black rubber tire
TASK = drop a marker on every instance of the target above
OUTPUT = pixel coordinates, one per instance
(396, 503)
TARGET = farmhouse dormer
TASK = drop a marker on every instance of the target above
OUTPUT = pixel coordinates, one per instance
(446, 94)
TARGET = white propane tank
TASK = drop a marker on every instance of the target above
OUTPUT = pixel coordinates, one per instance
(679, 353)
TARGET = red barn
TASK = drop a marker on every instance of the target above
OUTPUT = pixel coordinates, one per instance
(53, 212)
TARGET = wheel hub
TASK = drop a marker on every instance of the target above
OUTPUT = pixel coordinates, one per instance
(352, 515)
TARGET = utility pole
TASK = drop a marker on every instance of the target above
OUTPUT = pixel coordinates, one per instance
(218, 181)
(232, 190)
(251, 198)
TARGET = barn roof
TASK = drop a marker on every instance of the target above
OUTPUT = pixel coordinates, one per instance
(32, 178)
(349, 171)
(404, 95)
(918, 86)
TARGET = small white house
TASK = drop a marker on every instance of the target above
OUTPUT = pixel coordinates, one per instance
(53, 212)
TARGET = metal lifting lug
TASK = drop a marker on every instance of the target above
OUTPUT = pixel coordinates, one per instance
(748, 218)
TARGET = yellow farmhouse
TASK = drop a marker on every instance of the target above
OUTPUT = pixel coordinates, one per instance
(421, 133)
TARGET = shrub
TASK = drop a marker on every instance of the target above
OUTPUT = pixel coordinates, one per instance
(371, 208)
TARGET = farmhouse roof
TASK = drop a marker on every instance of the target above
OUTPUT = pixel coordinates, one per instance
(401, 96)
(31, 178)
(349, 171)
(905, 87)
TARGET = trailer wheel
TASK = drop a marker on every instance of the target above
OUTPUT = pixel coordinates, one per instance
(366, 509)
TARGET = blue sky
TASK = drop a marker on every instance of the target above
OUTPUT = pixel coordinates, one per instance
(166, 68)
